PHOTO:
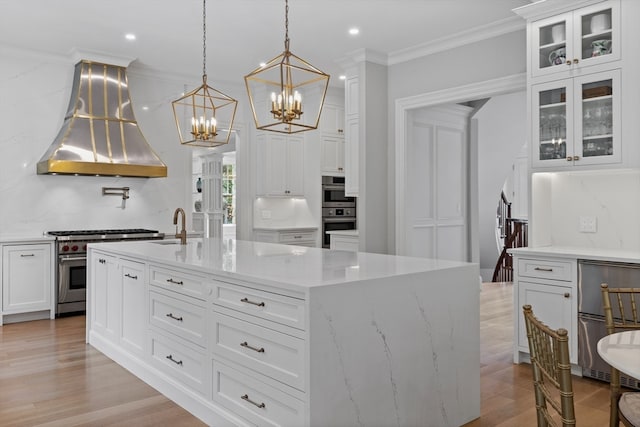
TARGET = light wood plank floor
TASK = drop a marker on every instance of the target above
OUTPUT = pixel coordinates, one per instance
(50, 377)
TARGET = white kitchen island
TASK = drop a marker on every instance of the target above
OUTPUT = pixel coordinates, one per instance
(248, 333)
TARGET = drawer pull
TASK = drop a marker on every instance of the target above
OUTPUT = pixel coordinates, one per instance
(177, 362)
(102, 260)
(131, 277)
(27, 255)
(175, 282)
(256, 349)
(179, 319)
(259, 405)
(259, 304)
(567, 294)
(543, 269)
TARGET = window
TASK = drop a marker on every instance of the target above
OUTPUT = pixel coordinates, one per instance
(228, 191)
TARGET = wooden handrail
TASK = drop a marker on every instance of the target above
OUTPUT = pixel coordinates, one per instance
(503, 272)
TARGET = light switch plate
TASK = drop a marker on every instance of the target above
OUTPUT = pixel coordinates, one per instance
(588, 224)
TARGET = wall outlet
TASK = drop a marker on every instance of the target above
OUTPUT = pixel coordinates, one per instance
(266, 214)
(588, 224)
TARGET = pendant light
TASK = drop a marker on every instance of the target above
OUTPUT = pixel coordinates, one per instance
(287, 93)
(204, 117)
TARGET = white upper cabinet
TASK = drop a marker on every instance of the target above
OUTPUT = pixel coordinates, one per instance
(568, 42)
(352, 136)
(576, 121)
(332, 155)
(332, 120)
(280, 164)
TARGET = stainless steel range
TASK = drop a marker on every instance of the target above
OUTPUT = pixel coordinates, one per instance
(71, 255)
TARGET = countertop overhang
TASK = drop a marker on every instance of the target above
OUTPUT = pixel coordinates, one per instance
(598, 254)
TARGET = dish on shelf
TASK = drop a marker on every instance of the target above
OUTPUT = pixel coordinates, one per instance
(600, 23)
(557, 56)
(600, 47)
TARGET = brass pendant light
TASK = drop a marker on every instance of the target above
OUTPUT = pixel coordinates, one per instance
(287, 93)
(204, 117)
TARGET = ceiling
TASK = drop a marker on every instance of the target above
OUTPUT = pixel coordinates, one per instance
(242, 33)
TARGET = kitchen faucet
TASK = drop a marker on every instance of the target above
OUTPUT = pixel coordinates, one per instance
(183, 233)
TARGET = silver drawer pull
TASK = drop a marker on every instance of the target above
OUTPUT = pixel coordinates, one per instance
(26, 255)
(297, 237)
(175, 282)
(177, 362)
(259, 304)
(179, 319)
(259, 405)
(256, 349)
(131, 277)
(543, 269)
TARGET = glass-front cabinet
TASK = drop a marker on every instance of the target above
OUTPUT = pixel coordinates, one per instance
(576, 122)
(573, 40)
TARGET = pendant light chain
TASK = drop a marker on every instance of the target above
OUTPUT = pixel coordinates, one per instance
(286, 26)
(204, 39)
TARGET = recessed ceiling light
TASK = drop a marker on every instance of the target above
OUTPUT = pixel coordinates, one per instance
(354, 31)
(342, 77)
(262, 64)
(145, 108)
(130, 36)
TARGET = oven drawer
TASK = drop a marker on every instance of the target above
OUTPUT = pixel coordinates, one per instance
(179, 360)
(253, 397)
(184, 319)
(266, 305)
(179, 281)
(547, 269)
(269, 352)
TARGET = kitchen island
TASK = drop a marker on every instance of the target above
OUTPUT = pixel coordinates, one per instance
(250, 333)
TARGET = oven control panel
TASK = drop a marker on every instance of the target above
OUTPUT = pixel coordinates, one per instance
(339, 212)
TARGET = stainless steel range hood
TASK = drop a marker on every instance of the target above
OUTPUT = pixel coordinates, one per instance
(100, 135)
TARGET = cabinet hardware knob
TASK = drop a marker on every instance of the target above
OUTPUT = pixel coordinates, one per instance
(567, 294)
(179, 319)
(131, 277)
(568, 62)
(569, 158)
(175, 282)
(256, 349)
(177, 362)
(543, 269)
(576, 157)
(27, 255)
(259, 405)
(576, 60)
(259, 304)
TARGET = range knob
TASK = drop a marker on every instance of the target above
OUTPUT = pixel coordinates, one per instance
(65, 248)
(74, 248)
(84, 247)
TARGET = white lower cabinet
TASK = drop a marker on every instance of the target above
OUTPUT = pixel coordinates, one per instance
(550, 287)
(298, 237)
(27, 279)
(106, 300)
(133, 301)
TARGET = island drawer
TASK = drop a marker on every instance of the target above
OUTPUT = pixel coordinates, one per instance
(263, 350)
(267, 305)
(182, 318)
(293, 237)
(257, 401)
(546, 269)
(179, 281)
(179, 360)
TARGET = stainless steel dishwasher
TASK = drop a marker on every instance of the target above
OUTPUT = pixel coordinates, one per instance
(591, 326)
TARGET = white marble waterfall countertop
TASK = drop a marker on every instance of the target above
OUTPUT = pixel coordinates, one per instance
(294, 267)
(613, 255)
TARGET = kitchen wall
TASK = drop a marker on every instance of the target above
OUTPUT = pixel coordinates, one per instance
(35, 91)
(560, 199)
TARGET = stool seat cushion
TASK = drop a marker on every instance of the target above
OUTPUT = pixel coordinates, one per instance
(629, 406)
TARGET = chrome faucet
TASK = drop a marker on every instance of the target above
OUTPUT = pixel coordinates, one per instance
(183, 233)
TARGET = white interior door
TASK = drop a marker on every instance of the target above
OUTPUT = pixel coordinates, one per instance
(436, 217)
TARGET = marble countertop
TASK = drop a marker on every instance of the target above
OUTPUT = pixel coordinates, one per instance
(293, 267)
(349, 233)
(613, 255)
(25, 238)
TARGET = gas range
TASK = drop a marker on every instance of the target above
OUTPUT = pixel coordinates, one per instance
(111, 234)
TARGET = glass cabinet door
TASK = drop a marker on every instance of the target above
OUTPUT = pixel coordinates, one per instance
(597, 34)
(597, 115)
(552, 40)
(552, 132)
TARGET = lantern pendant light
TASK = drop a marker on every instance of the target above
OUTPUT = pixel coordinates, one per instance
(287, 93)
(204, 117)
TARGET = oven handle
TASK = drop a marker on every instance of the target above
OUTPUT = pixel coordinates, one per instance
(64, 258)
(333, 187)
(339, 219)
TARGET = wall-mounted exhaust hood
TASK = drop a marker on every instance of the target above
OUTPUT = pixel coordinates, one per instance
(100, 135)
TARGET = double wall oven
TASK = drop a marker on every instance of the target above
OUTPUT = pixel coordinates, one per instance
(71, 257)
(338, 210)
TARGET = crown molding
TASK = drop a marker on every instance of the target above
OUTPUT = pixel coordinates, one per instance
(472, 35)
(544, 8)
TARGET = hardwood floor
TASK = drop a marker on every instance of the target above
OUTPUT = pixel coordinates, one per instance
(50, 377)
